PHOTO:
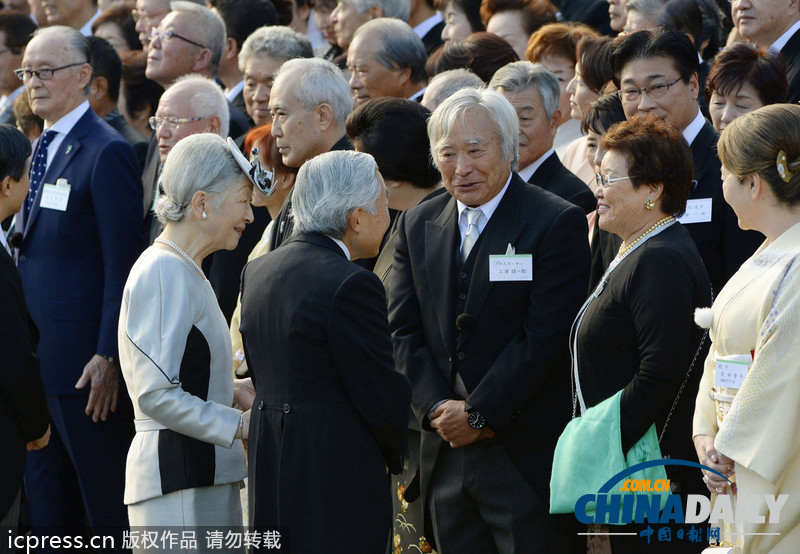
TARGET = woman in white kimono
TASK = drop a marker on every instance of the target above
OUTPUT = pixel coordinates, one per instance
(748, 404)
(186, 462)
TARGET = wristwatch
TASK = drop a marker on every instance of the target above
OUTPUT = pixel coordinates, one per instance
(475, 419)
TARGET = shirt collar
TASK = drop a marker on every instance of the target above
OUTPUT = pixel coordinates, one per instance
(232, 93)
(86, 30)
(417, 96)
(8, 100)
(3, 240)
(423, 28)
(527, 172)
(488, 208)
(341, 245)
(778, 45)
(68, 121)
(691, 132)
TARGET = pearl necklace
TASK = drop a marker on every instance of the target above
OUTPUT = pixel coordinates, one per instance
(657, 225)
(180, 251)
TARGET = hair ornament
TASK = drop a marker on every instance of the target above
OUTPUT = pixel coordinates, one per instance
(260, 177)
(782, 164)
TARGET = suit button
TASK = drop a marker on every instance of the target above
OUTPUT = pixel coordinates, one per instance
(462, 296)
(22, 259)
(463, 275)
(261, 405)
(287, 408)
(461, 355)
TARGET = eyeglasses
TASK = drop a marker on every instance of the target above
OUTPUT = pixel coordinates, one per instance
(605, 181)
(172, 122)
(42, 74)
(137, 15)
(166, 34)
(653, 91)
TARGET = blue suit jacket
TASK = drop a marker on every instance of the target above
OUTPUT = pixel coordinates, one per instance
(74, 263)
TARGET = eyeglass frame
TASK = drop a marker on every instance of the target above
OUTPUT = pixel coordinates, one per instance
(648, 90)
(603, 180)
(174, 124)
(170, 34)
(20, 73)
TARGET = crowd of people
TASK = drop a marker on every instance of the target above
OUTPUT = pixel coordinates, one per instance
(347, 271)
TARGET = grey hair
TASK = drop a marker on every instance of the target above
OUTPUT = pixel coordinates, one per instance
(401, 9)
(208, 30)
(518, 76)
(74, 43)
(200, 162)
(397, 46)
(321, 82)
(645, 7)
(445, 84)
(329, 187)
(452, 111)
(276, 41)
(207, 99)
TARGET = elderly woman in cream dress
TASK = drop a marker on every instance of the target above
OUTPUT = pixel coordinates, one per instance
(748, 404)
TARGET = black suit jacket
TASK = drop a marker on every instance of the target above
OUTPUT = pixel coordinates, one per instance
(552, 176)
(23, 406)
(238, 103)
(514, 360)
(433, 38)
(791, 55)
(330, 410)
(592, 12)
(722, 244)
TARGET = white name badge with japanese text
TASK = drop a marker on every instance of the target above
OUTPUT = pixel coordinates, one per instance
(56, 197)
(731, 370)
(517, 267)
(698, 210)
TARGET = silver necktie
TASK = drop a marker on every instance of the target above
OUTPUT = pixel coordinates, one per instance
(471, 237)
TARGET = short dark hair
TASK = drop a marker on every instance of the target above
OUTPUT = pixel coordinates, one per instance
(683, 15)
(482, 53)
(744, 63)
(105, 62)
(18, 29)
(471, 10)
(375, 127)
(657, 153)
(593, 55)
(242, 17)
(15, 148)
(120, 14)
(557, 39)
(140, 92)
(602, 114)
(533, 13)
(658, 43)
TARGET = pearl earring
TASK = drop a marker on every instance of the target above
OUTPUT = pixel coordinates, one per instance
(204, 215)
(649, 205)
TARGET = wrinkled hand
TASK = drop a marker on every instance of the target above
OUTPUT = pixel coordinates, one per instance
(709, 456)
(243, 394)
(450, 421)
(104, 379)
(41, 442)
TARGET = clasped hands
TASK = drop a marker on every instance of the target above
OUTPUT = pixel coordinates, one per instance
(243, 396)
(449, 419)
(709, 456)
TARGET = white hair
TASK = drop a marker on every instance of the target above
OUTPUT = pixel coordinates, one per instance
(396, 46)
(452, 111)
(200, 162)
(401, 9)
(276, 41)
(443, 85)
(321, 82)
(208, 29)
(74, 42)
(521, 75)
(329, 187)
(207, 99)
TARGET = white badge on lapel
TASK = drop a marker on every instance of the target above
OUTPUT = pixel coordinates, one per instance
(56, 197)
(698, 210)
(511, 266)
(731, 371)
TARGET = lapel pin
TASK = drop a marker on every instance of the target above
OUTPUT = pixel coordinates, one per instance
(69, 149)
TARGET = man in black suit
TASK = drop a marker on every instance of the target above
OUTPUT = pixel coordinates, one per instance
(24, 417)
(331, 412)
(774, 25)
(534, 92)
(486, 282)
(309, 103)
(427, 23)
(656, 72)
(15, 32)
